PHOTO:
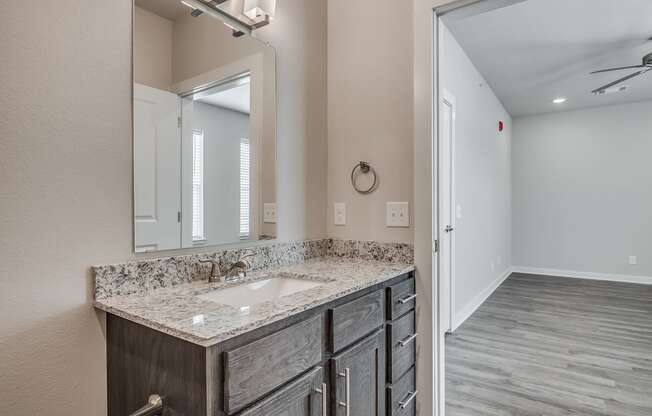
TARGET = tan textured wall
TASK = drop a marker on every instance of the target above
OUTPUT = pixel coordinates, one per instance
(369, 113)
(152, 49)
(65, 181)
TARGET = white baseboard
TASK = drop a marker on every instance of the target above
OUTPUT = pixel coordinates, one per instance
(624, 278)
(475, 303)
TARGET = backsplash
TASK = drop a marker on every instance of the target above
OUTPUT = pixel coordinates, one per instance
(149, 274)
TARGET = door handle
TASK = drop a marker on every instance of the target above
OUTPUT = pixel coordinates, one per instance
(154, 407)
(347, 391)
(406, 299)
(403, 404)
(408, 339)
(323, 391)
(449, 228)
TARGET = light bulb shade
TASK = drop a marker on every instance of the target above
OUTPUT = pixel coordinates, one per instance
(232, 7)
(256, 10)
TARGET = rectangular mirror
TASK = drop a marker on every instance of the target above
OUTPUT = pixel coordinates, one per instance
(204, 130)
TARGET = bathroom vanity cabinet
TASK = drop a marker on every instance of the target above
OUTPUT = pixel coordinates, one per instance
(354, 356)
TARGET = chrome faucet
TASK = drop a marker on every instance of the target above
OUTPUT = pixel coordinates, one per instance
(234, 272)
(216, 270)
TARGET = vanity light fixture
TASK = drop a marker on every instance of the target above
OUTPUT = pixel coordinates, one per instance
(242, 16)
(195, 12)
(559, 100)
(259, 10)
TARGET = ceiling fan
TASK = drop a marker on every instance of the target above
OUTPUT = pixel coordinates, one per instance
(642, 69)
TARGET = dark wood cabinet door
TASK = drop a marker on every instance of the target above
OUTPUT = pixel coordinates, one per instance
(358, 376)
(306, 396)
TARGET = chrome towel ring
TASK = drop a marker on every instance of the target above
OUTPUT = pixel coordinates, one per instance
(365, 168)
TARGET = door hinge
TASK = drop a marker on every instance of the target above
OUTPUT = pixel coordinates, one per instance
(179, 216)
(179, 122)
(435, 246)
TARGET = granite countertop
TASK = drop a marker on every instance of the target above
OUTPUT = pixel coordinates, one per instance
(178, 310)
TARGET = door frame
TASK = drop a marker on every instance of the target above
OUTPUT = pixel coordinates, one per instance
(251, 66)
(426, 13)
(446, 283)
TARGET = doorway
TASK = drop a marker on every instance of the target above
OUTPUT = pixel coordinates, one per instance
(447, 108)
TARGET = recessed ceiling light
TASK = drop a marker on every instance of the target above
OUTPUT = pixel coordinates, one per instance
(559, 100)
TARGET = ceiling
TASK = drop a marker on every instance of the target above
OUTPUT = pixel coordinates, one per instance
(536, 50)
(236, 99)
(169, 9)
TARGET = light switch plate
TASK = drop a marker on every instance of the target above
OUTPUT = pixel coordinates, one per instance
(269, 213)
(398, 214)
(339, 213)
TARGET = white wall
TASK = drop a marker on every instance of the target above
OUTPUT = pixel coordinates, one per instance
(66, 181)
(482, 179)
(582, 190)
(369, 113)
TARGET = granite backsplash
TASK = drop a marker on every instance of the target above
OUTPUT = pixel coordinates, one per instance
(148, 274)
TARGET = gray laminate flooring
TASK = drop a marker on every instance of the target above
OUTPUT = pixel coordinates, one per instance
(554, 346)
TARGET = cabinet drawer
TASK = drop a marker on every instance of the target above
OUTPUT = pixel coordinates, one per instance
(401, 298)
(402, 350)
(402, 396)
(255, 369)
(352, 321)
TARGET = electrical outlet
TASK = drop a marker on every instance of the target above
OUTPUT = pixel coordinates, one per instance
(339, 213)
(633, 260)
(269, 213)
(398, 214)
(458, 212)
(493, 266)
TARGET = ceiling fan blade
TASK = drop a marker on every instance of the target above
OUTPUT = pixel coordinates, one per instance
(619, 68)
(611, 84)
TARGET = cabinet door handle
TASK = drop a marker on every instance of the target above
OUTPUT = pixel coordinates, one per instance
(407, 298)
(154, 407)
(403, 404)
(323, 392)
(347, 391)
(408, 339)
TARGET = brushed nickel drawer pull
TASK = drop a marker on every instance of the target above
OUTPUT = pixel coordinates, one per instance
(323, 392)
(408, 339)
(403, 404)
(407, 298)
(347, 391)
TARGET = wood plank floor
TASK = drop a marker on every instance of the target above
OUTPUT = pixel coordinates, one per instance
(554, 346)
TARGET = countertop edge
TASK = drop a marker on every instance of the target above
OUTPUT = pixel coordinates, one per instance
(227, 335)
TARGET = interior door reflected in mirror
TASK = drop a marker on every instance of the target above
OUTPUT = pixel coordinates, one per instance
(204, 124)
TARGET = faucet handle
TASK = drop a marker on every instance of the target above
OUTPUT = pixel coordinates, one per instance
(247, 254)
(246, 257)
(216, 270)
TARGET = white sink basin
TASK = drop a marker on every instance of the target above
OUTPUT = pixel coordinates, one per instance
(245, 295)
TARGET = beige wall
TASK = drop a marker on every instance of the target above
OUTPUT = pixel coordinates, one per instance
(153, 38)
(299, 35)
(369, 113)
(214, 39)
(65, 181)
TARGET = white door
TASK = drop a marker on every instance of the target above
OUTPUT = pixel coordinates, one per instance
(157, 169)
(446, 209)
